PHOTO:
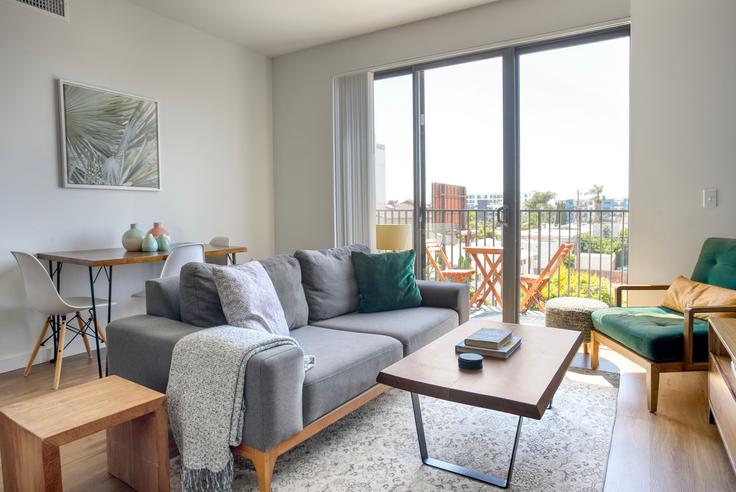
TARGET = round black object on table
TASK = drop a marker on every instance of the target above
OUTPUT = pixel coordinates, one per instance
(472, 362)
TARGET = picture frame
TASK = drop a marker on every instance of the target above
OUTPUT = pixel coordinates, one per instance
(109, 139)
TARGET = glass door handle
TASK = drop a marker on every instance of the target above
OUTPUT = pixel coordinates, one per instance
(501, 215)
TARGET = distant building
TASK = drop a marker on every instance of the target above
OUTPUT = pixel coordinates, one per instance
(487, 201)
(615, 204)
(483, 201)
(447, 197)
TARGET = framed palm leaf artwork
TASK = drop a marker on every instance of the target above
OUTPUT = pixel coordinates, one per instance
(109, 139)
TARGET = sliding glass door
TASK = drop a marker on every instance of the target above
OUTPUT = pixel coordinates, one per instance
(466, 147)
(574, 162)
(464, 176)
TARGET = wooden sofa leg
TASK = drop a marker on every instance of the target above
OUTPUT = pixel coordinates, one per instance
(263, 461)
(652, 388)
(594, 346)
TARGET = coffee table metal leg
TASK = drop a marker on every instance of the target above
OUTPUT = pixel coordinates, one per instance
(457, 469)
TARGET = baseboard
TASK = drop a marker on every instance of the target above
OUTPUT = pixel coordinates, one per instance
(19, 361)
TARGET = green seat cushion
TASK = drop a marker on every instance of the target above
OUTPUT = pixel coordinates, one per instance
(655, 333)
(385, 281)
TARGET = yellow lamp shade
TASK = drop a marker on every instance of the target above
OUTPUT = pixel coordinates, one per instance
(393, 237)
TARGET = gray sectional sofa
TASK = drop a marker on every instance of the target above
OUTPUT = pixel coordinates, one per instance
(350, 347)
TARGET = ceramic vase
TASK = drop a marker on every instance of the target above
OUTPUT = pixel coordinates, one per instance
(164, 242)
(133, 238)
(149, 243)
(158, 230)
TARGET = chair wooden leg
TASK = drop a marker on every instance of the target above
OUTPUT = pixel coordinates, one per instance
(263, 463)
(585, 348)
(652, 388)
(100, 332)
(594, 347)
(36, 347)
(59, 354)
(83, 331)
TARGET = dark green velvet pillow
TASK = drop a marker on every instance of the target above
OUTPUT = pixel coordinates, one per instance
(385, 281)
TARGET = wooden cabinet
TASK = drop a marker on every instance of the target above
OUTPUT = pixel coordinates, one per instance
(722, 381)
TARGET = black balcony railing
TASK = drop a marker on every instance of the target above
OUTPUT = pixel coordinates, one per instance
(598, 262)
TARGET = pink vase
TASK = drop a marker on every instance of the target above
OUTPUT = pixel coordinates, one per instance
(158, 230)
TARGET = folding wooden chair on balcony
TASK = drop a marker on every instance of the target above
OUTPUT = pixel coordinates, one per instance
(532, 285)
(457, 275)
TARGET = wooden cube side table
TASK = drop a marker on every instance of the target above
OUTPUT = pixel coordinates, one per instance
(134, 416)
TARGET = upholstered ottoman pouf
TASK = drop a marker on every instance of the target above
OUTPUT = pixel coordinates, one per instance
(572, 313)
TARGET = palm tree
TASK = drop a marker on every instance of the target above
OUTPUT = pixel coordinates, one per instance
(596, 192)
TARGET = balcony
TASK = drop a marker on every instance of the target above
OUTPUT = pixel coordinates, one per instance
(597, 263)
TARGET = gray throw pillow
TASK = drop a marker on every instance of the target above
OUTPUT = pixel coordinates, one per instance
(329, 281)
(249, 299)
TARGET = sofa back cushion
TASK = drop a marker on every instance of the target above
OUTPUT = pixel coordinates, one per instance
(200, 302)
(162, 297)
(286, 275)
(329, 281)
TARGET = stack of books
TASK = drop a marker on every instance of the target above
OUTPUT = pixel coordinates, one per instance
(494, 342)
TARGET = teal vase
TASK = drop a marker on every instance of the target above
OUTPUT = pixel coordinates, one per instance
(164, 242)
(149, 243)
(133, 238)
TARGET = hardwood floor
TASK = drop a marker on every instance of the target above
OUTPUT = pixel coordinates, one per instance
(675, 450)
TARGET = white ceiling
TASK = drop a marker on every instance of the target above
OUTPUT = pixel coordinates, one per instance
(275, 27)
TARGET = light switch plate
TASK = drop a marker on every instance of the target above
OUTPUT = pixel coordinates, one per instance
(710, 198)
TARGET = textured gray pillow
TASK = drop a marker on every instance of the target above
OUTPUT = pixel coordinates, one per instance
(329, 281)
(249, 299)
(198, 297)
(286, 275)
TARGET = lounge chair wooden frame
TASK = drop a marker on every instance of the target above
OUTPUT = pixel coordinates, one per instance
(654, 369)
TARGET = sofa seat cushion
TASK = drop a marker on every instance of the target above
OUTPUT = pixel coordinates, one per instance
(413, 327)
(655, 333)
(346, 365)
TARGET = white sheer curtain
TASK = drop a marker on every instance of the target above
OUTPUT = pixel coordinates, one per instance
(354, 160)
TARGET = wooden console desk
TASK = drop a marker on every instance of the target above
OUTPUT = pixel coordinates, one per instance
(722, 381)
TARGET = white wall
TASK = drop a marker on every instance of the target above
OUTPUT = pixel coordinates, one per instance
(215, 135)
(303, 94)
(683, 132)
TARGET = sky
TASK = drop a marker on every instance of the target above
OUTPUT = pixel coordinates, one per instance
(574, 123)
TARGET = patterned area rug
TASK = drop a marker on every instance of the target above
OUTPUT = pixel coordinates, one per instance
(375, 448)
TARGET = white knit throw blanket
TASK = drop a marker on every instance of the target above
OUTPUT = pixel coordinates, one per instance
(206, 400)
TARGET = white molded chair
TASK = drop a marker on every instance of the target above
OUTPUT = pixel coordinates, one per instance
(178, 257)
(181, 255)
(44, 298)
(222, 242)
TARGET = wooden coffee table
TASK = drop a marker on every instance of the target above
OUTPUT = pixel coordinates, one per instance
(522, 385)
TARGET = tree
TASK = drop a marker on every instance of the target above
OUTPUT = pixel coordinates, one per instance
(539, 200)
(596, 192)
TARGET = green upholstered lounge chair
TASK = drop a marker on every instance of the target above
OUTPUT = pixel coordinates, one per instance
(662, 340)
